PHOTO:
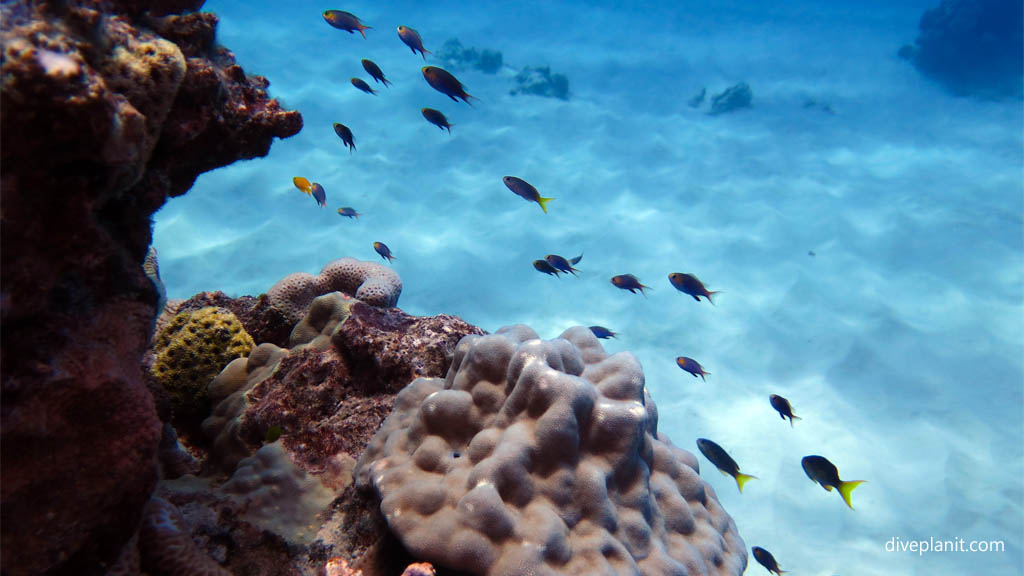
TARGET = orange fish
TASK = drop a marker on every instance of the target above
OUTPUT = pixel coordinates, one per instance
(412, 40)
(302, 184)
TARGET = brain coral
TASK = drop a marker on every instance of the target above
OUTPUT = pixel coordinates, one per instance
(370, 282)
(191, 350)
(543, 457)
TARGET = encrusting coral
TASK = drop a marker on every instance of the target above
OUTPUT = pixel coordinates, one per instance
(544, 457)
(370, 282)
(192, 349)
(166, 547)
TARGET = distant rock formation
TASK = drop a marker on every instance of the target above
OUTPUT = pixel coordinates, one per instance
(972, 47)
(539, 81)
(735, 98)
(109, 108)
(455, 56)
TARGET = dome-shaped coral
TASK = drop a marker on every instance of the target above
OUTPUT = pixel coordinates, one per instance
(191, 350)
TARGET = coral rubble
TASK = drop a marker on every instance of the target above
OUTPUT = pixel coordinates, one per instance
(108, 108)
(544, 457)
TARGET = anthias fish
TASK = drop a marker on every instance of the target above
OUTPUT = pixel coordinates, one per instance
(820, 470)
(563, 264)
(782, 406)
(318, 194)
(382, 249)
(412, 39)
(362, 85)
(375, 72)
(436, 118)
(543, 266)
(345, 21)
(689, 284)
(693, 367)
(348, 211)
(526, 191)
(345, 134)
(723, 461)
(765, 558)
(442, 81)
(629, 282)
(302, 184)
(602, 332)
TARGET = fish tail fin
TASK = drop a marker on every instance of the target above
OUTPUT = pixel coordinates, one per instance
(791, 418)
(709, 296)
(846, 489)
(544, 203)
(577, 259)
(742, 479)
(386, 82)
(423, 52)
(364, 27)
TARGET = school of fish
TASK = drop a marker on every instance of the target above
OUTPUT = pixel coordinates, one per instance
(818, 468)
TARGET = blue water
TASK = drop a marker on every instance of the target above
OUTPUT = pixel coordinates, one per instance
(899, 342)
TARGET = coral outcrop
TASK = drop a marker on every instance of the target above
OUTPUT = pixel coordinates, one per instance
(370, 282)
(972, 47)
(544, 457)
(108, 108)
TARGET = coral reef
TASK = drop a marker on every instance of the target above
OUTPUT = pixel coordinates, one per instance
(192, 349)
(166, 547)
(539, 81)
(972, 48)
(734, 98)
(109, 107)
(262, 321)
(370, 282)
(544, 458)
(454, 56)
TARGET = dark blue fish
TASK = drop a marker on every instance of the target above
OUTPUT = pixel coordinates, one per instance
(765, 558)
(383, 250)
(563, 264)
(442, 81)
(345, 21)
(721, 459)
(692, 366)
(820, 470)
(349, 212)
(689, 284)
(375, 72)
(412, 39)
(629, 282)
(602, 332)
(525, 190)
(318, 194)
(543, 266)
(782, 406)
(345, 134)
(437, 119)
(362, 85)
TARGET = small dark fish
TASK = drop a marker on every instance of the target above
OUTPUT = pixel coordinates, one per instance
(412, 40)
(819, 469)
(437, 119)
(524, 190)
(345, 21)
(348, 211)
(602, 332)
(273, 433)
(765, 558)
(629, 282)
(723, 461)
(345, 134)
(689, 284)
(383, 250)
(784, 409)
(318, 194)
(543, 266)
(442, 81)
(362, 85)
(693, 367)
(562, 264)
(375, 72)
